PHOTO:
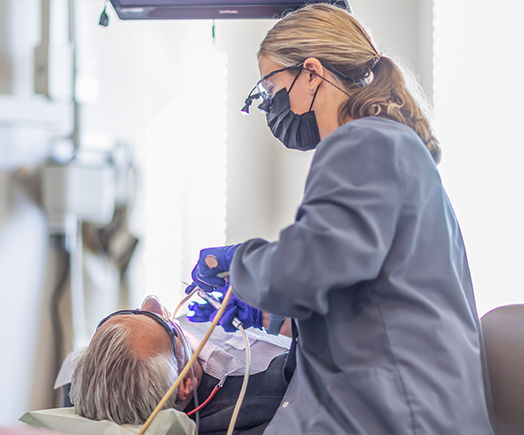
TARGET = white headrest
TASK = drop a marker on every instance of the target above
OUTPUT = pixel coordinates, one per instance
(167, 422)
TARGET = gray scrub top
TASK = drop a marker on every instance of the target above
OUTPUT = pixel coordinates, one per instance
(374, 271)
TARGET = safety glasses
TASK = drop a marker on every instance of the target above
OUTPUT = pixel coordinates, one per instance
(171, 328)
(265, 90)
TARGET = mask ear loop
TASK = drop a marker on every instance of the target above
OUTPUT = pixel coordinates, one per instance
(294, 80)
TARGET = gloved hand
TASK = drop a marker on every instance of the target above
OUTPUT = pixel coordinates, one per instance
(248, 315)
(203, 276)
(201, 312)
(190, 288)
(204, 312)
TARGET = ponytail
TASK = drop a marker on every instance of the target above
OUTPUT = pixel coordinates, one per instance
(331, 35)
(386, 96)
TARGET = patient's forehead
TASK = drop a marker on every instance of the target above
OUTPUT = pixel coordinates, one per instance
(146, 336)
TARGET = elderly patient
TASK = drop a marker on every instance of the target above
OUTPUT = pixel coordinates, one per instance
(135, 356)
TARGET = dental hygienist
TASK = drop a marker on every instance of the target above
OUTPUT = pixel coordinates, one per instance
(373, 271)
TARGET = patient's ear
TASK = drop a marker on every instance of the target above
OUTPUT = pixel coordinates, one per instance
(185, 389)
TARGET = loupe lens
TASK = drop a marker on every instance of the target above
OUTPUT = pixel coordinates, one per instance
(266, 89)
(264, 106)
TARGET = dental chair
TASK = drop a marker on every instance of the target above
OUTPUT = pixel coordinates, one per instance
(503, 330)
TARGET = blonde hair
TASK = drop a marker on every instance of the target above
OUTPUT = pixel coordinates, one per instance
(375, 83)
(109, 381)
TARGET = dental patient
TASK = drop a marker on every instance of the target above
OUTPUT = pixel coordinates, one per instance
(136, 355)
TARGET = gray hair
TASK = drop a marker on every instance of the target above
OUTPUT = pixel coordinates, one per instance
(109, 381)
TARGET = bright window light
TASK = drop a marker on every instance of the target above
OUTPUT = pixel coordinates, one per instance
(478, 110)
(185, 178)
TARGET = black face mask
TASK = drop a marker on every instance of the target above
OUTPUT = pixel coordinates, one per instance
(298, 132)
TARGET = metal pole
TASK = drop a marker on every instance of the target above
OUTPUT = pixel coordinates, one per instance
(75, 135)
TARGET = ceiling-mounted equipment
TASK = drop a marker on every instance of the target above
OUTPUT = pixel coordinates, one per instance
(210, 9)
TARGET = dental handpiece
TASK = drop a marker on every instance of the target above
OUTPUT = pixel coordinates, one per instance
(216, 304)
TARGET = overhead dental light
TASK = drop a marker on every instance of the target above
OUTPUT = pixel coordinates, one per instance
(210, 9)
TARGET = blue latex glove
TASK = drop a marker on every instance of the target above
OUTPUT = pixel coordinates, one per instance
(201, 312)
(190, 288)
(248, 315)
(204, 277)
(204, 312)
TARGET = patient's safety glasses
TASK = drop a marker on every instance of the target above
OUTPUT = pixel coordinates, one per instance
(171, 328)
(265, 90)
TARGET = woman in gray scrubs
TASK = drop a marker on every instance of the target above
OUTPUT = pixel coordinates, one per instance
(373, 271)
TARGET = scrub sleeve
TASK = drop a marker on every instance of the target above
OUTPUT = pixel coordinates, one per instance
(375, 274)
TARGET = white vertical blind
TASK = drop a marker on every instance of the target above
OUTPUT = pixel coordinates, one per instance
(478, 109)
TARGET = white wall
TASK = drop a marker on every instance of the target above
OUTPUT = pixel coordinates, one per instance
(26, 269)
(161, 95)
(478, 94)
(261, 172)
(402, 29)
(265, 180)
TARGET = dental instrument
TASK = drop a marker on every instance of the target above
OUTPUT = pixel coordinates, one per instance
(216, 304)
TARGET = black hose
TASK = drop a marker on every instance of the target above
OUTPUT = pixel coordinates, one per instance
(55, 300)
